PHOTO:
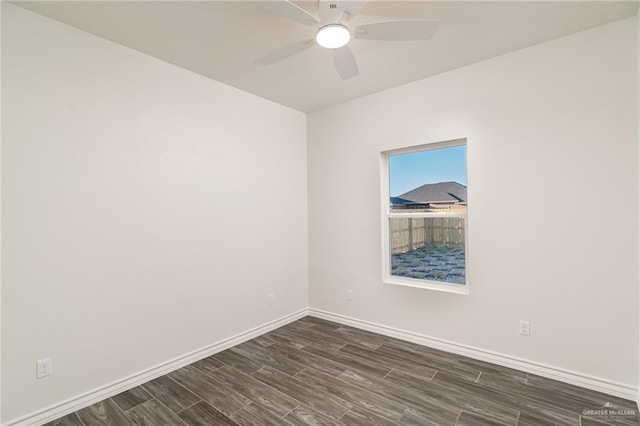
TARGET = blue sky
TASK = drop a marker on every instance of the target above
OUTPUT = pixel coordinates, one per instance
(408, 171)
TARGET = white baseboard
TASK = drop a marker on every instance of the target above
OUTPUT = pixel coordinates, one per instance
(73, 404)
(595, 383)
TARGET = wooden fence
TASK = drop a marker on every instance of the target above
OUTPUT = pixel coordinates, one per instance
(408, 234)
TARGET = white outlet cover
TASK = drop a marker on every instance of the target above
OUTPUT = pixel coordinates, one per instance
(44, 368)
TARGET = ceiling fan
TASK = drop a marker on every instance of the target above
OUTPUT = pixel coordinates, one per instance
(334, 31)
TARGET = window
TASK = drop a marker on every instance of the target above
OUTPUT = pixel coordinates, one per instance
(424, 216)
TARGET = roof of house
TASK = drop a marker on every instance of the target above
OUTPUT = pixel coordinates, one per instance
(397, 201)
(450, 192)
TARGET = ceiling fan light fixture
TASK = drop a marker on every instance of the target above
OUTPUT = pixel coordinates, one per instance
(333, 36)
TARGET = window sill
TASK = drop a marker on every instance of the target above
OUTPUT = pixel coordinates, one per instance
(428, 285)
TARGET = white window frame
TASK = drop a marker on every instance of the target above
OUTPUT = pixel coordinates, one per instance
(386, 215)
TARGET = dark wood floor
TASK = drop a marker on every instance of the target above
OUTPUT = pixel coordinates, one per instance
(317, 372)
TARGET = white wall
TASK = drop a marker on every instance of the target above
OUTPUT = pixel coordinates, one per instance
(147, 211)
(0, 219)
(553, 194)
(638, 134)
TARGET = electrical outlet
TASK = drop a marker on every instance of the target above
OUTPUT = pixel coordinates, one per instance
(44, 368)
(270, 299)
(525, 328)
(349, 295)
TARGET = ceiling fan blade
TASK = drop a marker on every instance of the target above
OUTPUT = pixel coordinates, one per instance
(406, 29)
(284, 52)
(345, 63)
(288, 10)
(350, 8)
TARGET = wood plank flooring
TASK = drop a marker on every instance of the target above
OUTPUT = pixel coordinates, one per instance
(316, 372)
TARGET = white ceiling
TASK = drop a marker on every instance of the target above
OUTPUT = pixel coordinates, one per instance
(221, 39)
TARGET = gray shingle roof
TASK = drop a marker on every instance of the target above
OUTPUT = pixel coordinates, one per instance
(397, 201)
(437, 192)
